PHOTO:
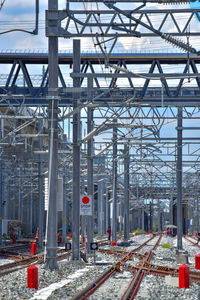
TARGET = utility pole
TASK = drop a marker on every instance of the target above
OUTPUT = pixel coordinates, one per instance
(51, 262)
(179, 179)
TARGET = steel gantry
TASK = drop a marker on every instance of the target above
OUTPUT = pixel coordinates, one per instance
(111, 128)
(158, 82)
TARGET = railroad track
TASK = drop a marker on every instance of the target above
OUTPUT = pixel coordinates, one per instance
(25, 260)
(194, 243)
(134, 285)
(94, 285)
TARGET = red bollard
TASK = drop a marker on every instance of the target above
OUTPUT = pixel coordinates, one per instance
(60, 239)
(197, 262)
(195, 234)
(184, 276)
(33, 249)
(149, 231)
(113, 243)
(14, 240)
(32, 277)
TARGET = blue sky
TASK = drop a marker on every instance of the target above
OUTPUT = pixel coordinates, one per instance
(23, 10)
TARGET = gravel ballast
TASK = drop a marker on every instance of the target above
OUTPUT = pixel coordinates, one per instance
(73, 276)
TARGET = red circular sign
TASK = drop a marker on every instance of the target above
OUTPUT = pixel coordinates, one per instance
(85, 200)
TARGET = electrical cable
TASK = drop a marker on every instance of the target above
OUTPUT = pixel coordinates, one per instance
(35, 31)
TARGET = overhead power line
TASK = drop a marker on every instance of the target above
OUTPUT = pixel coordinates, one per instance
(35, 31)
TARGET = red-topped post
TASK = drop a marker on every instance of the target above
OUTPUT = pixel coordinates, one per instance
(184, 276)
(32, 278)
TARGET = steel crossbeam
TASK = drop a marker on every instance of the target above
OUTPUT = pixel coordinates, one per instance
(19, 82)
(109, 23)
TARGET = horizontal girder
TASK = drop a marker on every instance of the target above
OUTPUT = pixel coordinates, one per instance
(33, 89)
(112, 23)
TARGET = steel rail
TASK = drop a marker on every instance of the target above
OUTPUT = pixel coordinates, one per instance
(92, 287)
(134, 285)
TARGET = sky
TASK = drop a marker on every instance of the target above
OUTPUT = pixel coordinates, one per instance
(21, 14)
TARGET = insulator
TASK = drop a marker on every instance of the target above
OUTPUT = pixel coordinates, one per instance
(175, 1)
(178, 43)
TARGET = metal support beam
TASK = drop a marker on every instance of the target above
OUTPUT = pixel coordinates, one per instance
(40, 190)
(114, 201)
(179, 180)
(90, 184)
(76, 159)
(126, 192)
(53, 148)
(64, 212)
(1, 191)
(20, 200)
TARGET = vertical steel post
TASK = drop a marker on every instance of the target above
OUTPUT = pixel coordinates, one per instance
(107, 216)
(143, 218)
(171, 220)
(100, 195)
(179, 179)
(29, 206)
(159, 217)
(40, 189)
(76, 159)
(64, 212)
(114, 201)
(1, 191)
(126, 192)
(53, 148)
(90, 184)
(20, 200)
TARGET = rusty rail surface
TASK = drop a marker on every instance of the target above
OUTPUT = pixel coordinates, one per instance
(134, 285)
(92, 287)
